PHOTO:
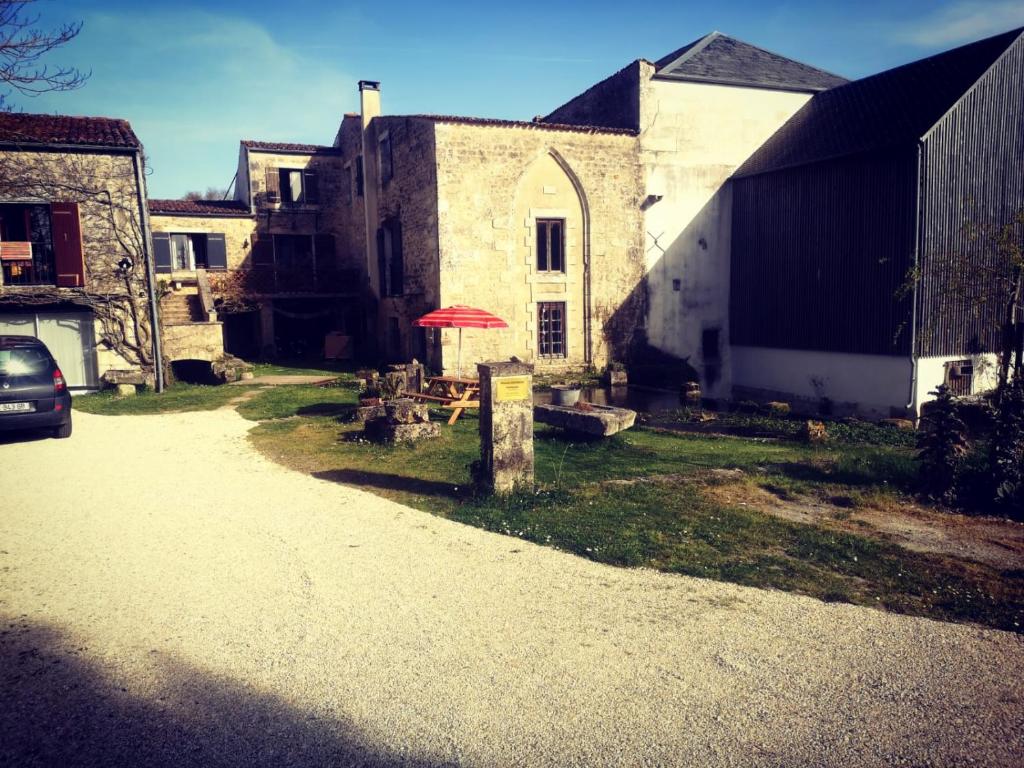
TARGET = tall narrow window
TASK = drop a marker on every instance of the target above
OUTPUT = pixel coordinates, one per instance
(359, 176)
(551, 245)
(551, 329)
(390, 262)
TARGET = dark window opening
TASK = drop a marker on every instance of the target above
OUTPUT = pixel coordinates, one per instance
(551, 245)
(359, 176)
(188, 252)
(349, 196)
(386, 163)
(390, 260)
(26, 245)
(293, 252)
(551, 329)
(960, 377)
(394, 339)
(297, 187)
(710, 342)
(677, 284)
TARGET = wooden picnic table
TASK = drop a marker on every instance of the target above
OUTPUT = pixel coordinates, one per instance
(449, 392)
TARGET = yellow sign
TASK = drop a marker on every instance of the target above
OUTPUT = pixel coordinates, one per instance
(509, 388)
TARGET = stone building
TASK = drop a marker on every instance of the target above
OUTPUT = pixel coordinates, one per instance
(74, 249)
(277, 280)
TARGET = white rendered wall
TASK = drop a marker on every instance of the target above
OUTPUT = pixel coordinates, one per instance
(692, 137)
(873, 386)
(931, 372)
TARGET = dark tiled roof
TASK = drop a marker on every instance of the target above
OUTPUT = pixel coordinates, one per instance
(884, 110)
(284, 146)
(718, 58)
(535, 125)
(199, 207)
(17, 128)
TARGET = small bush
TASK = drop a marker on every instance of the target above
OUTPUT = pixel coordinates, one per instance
(1007, 451)
(942, 443)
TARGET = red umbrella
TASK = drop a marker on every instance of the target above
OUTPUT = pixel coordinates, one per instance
(460, 316)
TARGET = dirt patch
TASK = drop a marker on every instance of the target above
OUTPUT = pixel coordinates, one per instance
(999, 543)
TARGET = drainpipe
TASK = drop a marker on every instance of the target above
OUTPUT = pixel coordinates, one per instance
(912, 404)
(147, 253)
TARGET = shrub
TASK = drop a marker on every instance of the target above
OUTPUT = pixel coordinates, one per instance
(942, 442)
(1006, 454)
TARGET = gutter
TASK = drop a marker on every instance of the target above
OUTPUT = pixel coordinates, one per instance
(913, 404)
(147, 254)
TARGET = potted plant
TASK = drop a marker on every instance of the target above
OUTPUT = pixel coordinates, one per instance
(566, 394)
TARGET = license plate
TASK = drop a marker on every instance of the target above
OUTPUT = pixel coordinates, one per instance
(16, 407)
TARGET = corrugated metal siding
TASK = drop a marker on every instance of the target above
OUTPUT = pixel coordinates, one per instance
(819, 253)
(973, 171)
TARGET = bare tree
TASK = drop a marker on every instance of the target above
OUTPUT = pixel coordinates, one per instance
(23, 47)
(211, 193)
(982, 283)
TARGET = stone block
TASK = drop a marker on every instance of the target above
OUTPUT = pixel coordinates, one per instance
(380, 430)
(406, 411)
(125, 390)
(597, 420)
(813, 432)
(777, 408)
(367, 413)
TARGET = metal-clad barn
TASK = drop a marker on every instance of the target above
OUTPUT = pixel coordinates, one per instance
(866, 182)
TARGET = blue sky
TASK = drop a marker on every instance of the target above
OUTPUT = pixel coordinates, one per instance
(194, 78)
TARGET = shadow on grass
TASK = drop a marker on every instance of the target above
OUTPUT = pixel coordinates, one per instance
(872, 471)
(61, 708)
(390, 482)
(341, 410)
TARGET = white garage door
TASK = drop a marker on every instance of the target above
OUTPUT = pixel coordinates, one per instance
(69, 335)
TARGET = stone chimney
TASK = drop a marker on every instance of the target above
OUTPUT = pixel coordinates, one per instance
(369, 100)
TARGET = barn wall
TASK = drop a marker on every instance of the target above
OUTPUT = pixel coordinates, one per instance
(972, 178)
(820, 252)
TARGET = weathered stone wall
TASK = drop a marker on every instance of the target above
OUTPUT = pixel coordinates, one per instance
(614, 102)
(195, 341)
(349, 208)
(493, 182)
(411, 197)
(323, 217)
(237, 230)
(104, 186)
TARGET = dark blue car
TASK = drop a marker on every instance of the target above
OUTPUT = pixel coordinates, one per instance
(33, 393)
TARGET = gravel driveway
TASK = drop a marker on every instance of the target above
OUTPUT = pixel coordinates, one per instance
(171, 598)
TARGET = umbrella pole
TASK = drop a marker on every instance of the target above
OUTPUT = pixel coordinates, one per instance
(458, 370)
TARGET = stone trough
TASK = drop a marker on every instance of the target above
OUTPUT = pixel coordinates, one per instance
(597, 420)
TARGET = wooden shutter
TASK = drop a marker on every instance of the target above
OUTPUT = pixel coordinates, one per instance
(397, 261)
(310, 187)
(273, 185)
(161, 252)
(68, 255)
(216, 252)
(263, 252)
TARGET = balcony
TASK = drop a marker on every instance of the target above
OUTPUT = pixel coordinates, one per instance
(26, 263)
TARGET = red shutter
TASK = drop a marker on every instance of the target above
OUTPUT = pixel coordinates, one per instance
(68, 254)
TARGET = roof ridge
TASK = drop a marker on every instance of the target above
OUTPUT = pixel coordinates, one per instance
(681, 53)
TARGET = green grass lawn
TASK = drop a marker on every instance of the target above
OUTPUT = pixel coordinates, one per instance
(176, 398)
(641, 499)
(302, 368)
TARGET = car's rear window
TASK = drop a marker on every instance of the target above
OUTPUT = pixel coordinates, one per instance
(23, 361)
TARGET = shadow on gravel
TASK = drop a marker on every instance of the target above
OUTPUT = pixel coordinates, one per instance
(24, 435)
(60, 708)
(394, 482)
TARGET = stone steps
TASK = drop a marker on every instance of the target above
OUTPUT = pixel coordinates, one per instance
(181, 309)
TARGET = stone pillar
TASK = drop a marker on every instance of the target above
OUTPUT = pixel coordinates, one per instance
(506, 426)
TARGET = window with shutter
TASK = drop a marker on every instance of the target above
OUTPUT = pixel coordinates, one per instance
(216, 252)
(324, 245)
(263, 252)
(162, 252)
(311, 188)
(68, 256)
(273, 185)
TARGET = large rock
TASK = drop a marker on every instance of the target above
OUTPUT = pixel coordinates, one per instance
(597, 420)
(406, 411)
(381, 430)
(367, 413)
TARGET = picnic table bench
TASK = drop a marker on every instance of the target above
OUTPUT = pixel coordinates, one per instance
(449, 392)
